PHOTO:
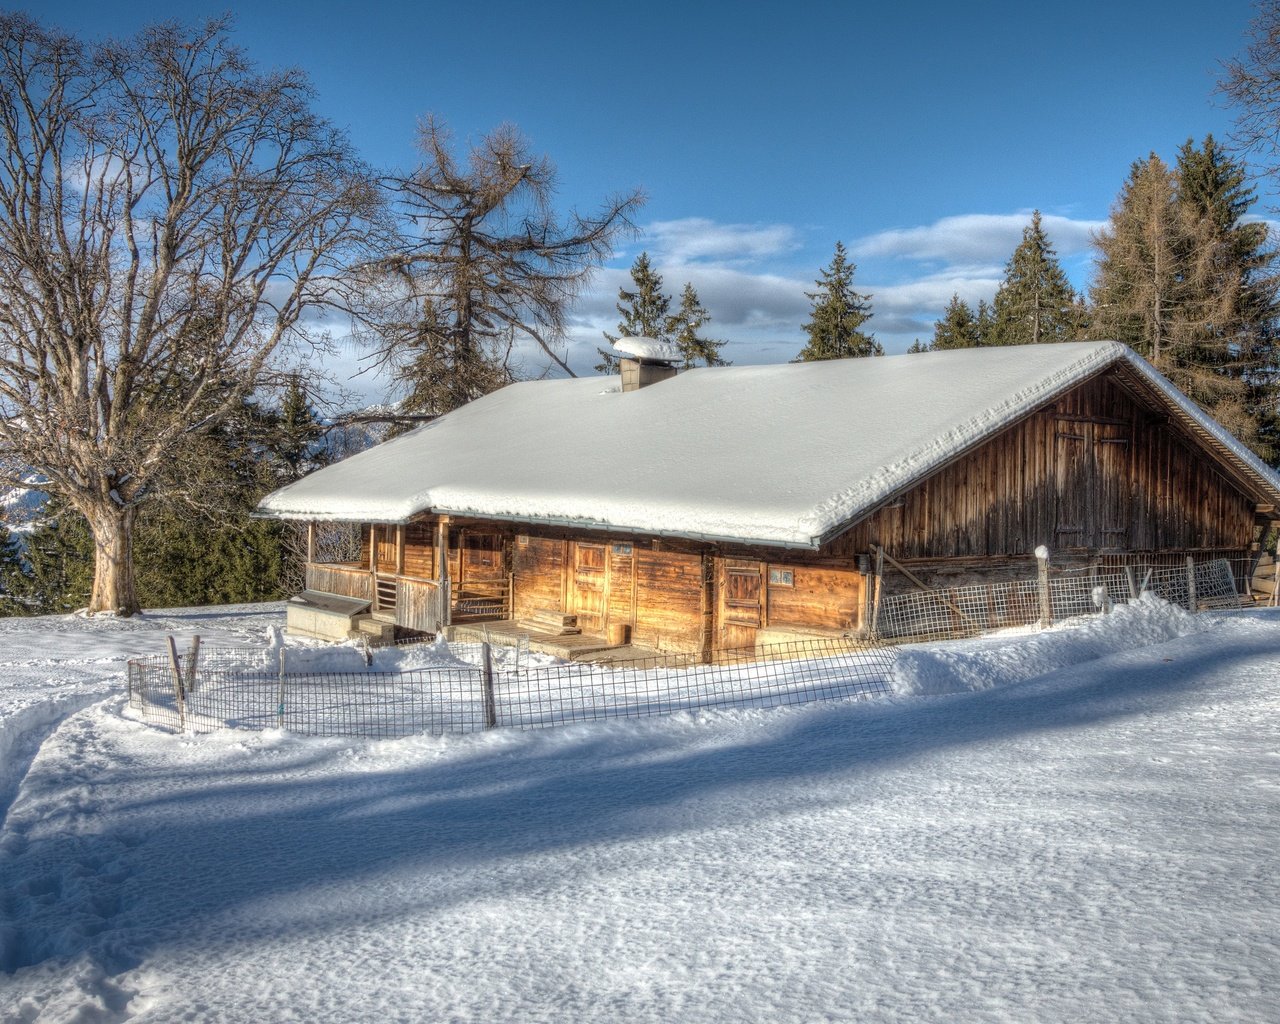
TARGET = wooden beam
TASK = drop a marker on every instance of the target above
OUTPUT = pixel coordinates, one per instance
(919, 583)
(311, 541)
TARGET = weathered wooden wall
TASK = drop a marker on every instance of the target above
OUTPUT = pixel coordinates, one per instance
(668, 600)
(1093, 472)
(539, 565)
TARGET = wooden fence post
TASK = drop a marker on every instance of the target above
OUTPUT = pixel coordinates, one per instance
(490, 701)
(1192, 600)
(179, 695)
(280, 694)
(1042, 571)
(1131, 578)
(193, 656)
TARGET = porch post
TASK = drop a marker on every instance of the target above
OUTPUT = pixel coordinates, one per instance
(442, 546)
(311, 541)
(400, 532)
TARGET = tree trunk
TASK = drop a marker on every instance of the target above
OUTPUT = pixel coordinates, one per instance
(113, 589)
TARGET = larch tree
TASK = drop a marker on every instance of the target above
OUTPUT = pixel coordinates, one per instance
(485, 265)
(1035, 302)
(1141, 268)
(838, 313)
(1188, 282)
(168, 214)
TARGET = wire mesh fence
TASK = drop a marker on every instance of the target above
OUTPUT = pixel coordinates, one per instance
(206, 690)
(953, 612)
(467, 687)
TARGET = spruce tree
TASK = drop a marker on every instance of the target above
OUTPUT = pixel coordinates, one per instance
(55, 572)
(645, 310)
(837, 315)
(1035, 301)
(958, 327)
(646, 313)
(683, 328)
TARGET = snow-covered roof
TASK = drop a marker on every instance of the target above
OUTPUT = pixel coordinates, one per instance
(649, 348)
(785, 454)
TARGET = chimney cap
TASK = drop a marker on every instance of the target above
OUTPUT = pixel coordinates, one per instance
(649, 350)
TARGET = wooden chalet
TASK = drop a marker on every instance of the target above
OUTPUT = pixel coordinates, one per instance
(738, 506)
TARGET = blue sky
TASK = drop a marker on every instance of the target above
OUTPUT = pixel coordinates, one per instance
(919, 134)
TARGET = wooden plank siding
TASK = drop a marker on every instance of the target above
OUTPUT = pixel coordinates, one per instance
(1092, 472)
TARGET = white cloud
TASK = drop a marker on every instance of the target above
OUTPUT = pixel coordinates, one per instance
(975, 239)
(691, 239)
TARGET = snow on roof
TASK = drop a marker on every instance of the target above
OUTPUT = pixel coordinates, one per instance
(649, 348)
(783, 454)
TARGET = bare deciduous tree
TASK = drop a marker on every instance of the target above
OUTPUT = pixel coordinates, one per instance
(167, 214)
(485, 262)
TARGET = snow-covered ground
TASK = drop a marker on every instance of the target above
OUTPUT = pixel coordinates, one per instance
(1077, 825)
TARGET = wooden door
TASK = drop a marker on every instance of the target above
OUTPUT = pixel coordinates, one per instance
(1114, 504)
(482, 571)
(1072, 459)
(740, 588)
(385, 539)
(588, 588)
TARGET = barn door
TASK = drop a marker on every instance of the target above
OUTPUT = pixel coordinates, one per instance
(1111, 451)
(1071, 461)
(589, 586)
(740, 589)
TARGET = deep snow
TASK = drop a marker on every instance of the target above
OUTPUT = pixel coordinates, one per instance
(1077, 825)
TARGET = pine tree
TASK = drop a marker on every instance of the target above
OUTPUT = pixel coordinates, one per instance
(54, 574)
(297, 435)
(645, 311)
(838, 314)
(1034, 303)
(918, 346)
(986, 322)
(683, 327)
(958, 327)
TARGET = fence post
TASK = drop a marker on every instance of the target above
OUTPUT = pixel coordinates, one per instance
(192, 656)
(1192, 602)
(280, 694)
(178, 695)
(490, 702)
(1042, 572)
(1131, 578)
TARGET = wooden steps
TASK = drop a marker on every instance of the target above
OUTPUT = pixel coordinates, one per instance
(379, 628)
(554, 623)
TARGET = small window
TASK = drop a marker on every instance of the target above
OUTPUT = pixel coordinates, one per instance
(523, 540)
(622, 549)
(782, 578)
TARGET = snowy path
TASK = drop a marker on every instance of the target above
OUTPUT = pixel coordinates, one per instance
(1096, 842)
